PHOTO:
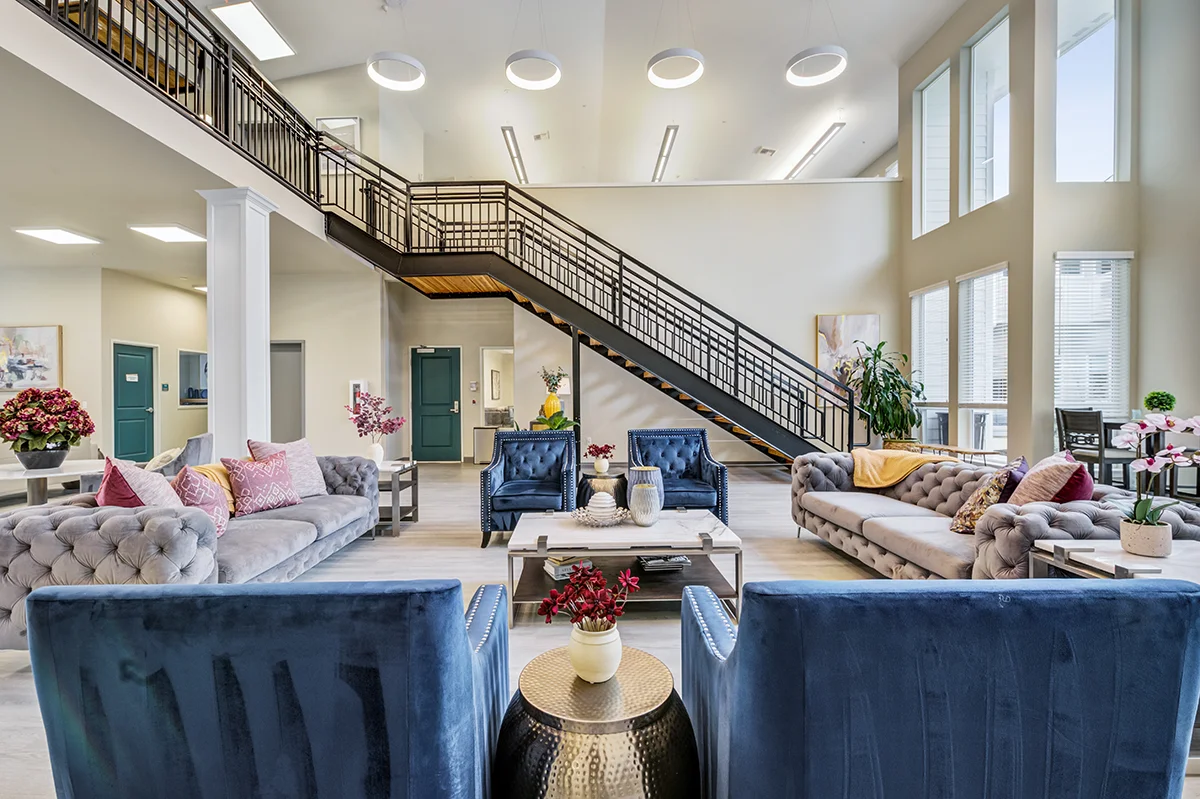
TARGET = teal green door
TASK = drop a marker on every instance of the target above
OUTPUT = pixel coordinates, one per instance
(133, 402)
(436, 423)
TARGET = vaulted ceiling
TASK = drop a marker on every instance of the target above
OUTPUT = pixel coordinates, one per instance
(605, 120)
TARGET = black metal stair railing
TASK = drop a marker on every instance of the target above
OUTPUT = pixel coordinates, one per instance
(173, 50)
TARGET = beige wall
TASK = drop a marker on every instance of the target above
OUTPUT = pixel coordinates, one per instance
(137, 311)
(499, 361)
(339, 317)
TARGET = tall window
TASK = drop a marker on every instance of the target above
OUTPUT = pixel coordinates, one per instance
(1091, 334)
(983, 361)
(935, 152)
(1087, 90)
(931, 361)
(989, 123)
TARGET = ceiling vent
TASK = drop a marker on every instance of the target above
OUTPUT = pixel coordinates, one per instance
(767, 151)
(541, 136)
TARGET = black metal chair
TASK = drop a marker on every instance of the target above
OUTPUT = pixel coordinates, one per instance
(1083, 434)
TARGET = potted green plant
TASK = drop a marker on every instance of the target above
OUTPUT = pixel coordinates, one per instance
(1159, 402)
(886, 394)
(556, 421)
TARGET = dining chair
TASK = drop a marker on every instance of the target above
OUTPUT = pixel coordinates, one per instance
(1083, 434)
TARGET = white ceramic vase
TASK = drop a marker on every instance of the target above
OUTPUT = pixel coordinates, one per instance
(644, 504)
(1150, 540)
(375, 452)
(601, 465)
(594, 656)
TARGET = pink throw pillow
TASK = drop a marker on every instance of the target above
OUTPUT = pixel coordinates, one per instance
(1059, 478)
(127, 485)
(261, 485)
(302, 464)
(197, 491)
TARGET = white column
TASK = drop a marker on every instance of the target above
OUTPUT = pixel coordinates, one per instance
(239, 319)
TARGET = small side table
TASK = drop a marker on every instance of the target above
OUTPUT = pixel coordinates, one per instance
(404, 476)
(592, 482)
(565, 738)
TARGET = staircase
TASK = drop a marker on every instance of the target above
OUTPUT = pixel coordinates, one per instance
(488, 238)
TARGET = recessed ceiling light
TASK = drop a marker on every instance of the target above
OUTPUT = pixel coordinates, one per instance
(657, 70)
(664, 152)
(543, 60)
(514, 152)
(252, 29)
(829, 60)
(385, 67)
(171, 234)
(201, 289)
(827, 137)
(56, 235)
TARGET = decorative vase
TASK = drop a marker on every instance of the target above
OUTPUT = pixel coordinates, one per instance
(645, 474)
(552, 405)
(49, 458)
(1150, 540)
(601, 465)
(594, 656)
(644, 505)
(375, 452)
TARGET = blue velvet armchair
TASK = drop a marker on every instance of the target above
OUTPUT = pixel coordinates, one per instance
(301, 689)
(531, 470)
(863, 689)
(692, 478)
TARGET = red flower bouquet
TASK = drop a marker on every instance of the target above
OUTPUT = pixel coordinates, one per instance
(36, 420)
(589, 601)
(603, 451)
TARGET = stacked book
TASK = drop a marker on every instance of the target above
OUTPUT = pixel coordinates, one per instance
(560, 567)
(663, 563)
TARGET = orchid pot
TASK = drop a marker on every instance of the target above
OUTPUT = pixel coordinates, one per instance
(1150, 540)
(595, 656)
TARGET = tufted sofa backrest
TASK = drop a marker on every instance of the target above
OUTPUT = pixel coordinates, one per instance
(676, 453)
(941, 487)
(534, 458)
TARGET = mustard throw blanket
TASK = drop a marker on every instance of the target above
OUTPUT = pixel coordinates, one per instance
(880, 468)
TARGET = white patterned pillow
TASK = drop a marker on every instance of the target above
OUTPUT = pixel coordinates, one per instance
(151, 488)
(301, 462)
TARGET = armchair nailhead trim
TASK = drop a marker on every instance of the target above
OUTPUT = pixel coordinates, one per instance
(712, 644)
(491, 615)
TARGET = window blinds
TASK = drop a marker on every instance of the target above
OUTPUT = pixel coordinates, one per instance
(983, 338)
(931, 342)
(1091, 334)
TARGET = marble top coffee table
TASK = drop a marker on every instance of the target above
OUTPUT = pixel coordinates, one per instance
(36, 480)
(698, 534)
(1104, 558)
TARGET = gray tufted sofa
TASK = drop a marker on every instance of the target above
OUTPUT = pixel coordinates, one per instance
(80, 544)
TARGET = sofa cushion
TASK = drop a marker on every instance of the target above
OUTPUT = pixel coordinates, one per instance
(684, 492)
(677, 456)
(261, 485)
(528, 495)
(526, 460)
(850, 509)
(199, 492)
(328, 512)
(252, 545)
(127, 485)
(928, 543)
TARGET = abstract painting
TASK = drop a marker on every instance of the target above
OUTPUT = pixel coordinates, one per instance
(30, 357)
(836, 337)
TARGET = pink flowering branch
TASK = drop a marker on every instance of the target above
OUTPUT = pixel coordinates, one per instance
(372, 419)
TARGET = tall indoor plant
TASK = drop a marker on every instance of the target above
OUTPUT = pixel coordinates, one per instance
(886, 393)
(371, 419)
(42, 426)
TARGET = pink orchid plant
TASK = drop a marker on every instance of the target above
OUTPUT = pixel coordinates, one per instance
(1137, 436)
(371, 418)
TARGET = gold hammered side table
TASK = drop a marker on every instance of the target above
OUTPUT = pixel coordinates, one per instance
(628, 737)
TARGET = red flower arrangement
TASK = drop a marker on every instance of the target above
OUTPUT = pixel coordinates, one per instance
(36, 419)
(604, 451)
(589, 601)
(371, 419)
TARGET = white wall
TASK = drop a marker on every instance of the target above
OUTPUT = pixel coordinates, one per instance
(500, 361)
(346, 92)
(138, 311)
(339, 317)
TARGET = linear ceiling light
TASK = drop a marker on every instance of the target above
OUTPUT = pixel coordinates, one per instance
(253, 30)
(172, 234)
(514, 152)
(664, 153)
(542, 58)
(834, 130)
(830, 59)
(658, 64)
(382, 63)
(201, 289)
(56, 235)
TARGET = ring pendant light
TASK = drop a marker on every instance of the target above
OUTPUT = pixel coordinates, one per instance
(533, 85)
(675, 83)
(795, 75)
(410, 85)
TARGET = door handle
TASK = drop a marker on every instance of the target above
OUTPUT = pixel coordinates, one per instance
(455, 408)
(149, 410)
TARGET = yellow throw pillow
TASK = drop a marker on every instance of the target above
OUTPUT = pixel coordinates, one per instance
(219, 475)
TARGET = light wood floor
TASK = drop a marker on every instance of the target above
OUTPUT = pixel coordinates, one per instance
(446, 544)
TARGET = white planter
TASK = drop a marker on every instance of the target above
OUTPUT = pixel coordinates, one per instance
(375, 453)
(1151, 540)
(601, 465)
(594, 656)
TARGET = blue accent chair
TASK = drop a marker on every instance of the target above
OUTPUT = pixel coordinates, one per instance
(300, 689)
(1013, 690)
(692, 478)
(531, 470)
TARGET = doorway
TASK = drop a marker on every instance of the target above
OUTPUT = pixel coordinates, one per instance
(133, 402)
(287, 391)
(436, 412)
